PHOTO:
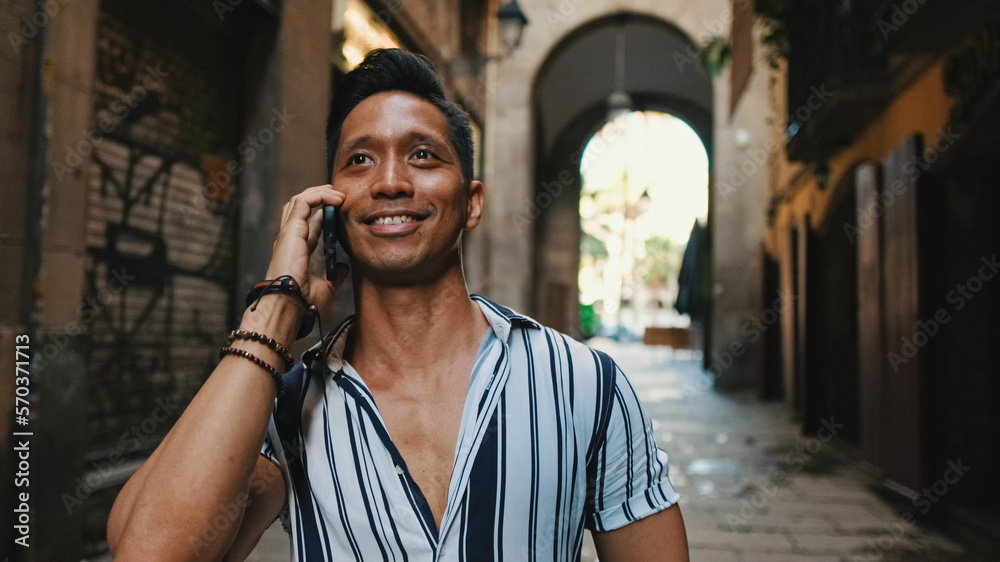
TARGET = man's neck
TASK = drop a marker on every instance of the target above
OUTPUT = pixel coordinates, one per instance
(414, 332)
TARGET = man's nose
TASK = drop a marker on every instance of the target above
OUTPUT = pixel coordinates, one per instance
(392, 180)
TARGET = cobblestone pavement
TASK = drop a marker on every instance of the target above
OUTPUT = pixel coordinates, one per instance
(753, 488)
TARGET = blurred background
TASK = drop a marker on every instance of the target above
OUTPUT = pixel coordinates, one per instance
(780, 213)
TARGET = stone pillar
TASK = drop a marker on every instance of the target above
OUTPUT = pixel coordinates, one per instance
(291, 83)
(19, 125)
(59, 440)
(740, 175)
(303, 53)
(509, 184)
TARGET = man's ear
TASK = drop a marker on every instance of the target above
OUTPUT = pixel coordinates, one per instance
(477, 196)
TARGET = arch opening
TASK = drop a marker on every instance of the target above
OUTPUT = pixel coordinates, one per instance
(569, 106)
(644, 185)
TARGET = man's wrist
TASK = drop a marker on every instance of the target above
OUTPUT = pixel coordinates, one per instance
(276, 316)
(284, 285)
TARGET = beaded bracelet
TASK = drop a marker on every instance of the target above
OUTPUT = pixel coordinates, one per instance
(281, 350)
(257, 361)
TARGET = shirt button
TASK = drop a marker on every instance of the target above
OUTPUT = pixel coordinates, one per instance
(399, 469)
(441, 552)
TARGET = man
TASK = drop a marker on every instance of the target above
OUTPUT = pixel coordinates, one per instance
(431, 426)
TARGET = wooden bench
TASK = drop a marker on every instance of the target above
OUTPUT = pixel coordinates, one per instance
(675, 338)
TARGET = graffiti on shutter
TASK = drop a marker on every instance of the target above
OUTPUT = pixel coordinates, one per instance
(160, 236)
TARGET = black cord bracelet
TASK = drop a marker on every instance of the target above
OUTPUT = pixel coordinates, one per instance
(284, 285)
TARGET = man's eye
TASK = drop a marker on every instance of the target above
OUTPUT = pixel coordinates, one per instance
(423, 154)
(358, 159)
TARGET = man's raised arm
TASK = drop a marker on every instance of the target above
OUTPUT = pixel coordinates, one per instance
(197, 483)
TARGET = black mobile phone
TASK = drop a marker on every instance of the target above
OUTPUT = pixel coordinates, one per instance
(330, 241)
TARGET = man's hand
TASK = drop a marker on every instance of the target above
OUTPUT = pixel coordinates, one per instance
(300, 232)
(659, 537)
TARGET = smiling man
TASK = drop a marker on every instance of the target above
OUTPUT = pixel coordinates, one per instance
(432, 425)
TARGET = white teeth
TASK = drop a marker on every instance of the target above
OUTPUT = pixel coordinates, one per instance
(400, 219)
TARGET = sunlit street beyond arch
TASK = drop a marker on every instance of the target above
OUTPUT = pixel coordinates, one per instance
(644, 184)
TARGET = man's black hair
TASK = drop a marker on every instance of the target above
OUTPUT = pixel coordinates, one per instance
(385, 70)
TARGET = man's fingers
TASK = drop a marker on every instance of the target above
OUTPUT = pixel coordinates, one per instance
(301, 206)
(315, 223)
(301, 221)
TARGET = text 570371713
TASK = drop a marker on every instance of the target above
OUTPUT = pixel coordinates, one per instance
(22, 441)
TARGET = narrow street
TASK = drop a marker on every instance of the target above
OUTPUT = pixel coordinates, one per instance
(753, 488)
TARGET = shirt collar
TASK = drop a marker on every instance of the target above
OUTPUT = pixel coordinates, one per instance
(331, 347)
(500, 318)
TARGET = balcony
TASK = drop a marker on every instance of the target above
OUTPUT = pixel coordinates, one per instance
(838, 76)
(848, 58)
(922, 27)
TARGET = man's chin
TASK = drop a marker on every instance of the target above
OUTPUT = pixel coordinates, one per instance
(409, 273)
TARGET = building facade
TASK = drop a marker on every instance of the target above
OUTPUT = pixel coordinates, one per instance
(882, 232)
(148, 148)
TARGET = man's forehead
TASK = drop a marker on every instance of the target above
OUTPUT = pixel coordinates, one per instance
(393, 116)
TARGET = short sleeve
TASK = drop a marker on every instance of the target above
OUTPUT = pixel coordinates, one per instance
(272, 454)
(629, 472)
(268, 451)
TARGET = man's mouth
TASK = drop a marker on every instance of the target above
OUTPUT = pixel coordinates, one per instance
(394, 222)
(396, 219)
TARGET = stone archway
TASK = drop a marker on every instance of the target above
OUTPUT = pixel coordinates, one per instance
(502, 254)
(569, 104)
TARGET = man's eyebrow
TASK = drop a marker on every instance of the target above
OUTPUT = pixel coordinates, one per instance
(356, 142)
(419, 136)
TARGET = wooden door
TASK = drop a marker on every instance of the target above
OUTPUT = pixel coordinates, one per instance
(789, 268)
(803, 257)
(871, 353)
(888, 314)
(903, 387)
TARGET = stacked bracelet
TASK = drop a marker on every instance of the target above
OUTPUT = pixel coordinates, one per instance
(257, 361)
(285, 285)
(281, 350)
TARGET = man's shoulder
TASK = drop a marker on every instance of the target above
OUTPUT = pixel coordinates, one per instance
(547, 340)
(506, 313)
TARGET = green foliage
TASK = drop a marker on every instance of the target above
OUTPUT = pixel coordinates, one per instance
(772, 15)
(590, 321)
(661, 262)
(591, 245)
(715, 54)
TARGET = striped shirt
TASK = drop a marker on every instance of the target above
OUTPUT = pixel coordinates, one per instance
(553, 439)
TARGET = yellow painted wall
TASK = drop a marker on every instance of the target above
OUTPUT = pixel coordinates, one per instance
(923, 108)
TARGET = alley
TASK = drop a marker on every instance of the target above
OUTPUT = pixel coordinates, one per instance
(753, 488)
